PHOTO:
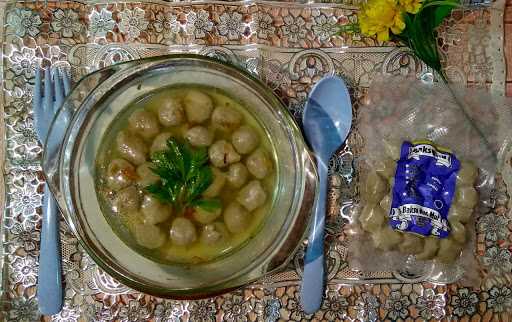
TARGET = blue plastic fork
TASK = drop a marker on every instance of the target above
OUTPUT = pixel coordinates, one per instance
(45, 105)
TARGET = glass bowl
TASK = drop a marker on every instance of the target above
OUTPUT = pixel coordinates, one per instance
(69, 163)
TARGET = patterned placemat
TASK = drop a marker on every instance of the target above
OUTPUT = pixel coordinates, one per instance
(290, 46)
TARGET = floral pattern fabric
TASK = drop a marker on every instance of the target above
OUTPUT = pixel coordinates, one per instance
(199, 23)
(231, 25)
(101, 23)
(66, 22)
(296, 41)
(166, 24)
(133, 22)
(464, 303)
(23, 22)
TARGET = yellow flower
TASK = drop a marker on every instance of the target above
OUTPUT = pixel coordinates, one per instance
(411, 6)
(378, 17)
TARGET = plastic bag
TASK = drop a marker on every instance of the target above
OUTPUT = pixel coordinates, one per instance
(428, 127)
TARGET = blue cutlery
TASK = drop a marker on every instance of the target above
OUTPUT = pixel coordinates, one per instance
(48, 98)
(326, 120)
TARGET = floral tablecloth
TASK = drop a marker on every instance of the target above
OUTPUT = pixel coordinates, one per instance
(290, 46)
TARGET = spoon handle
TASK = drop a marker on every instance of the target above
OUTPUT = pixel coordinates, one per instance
(313, 279)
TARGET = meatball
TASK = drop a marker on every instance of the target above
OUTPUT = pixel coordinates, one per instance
(245, 139)
(385, 168)
(145, 176)
(149, 236)
(449, 251)
(183, 231)
(391, 183)
(204, 216)
(457, 231)
(131, 147)
(219, 179)
(467, 174)
(385, 203)
(154, 211)
(392, 148)
(160, 142)
(252, 195)
(132, 219)
(460, 214)
(372, 218)
(198, 106)
(199, 136)
(429, 249)
(466, 197)
(236, 217)
(171, 113)
(222, 153)
(411, 244)
(120, 174)
(259, 164)
(127, 200)
(237, 175)
(226, 119)
(144, 123)
(213, 233)
(374, 188)
(386, 238)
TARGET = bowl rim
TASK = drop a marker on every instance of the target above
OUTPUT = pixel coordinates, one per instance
(291, 246)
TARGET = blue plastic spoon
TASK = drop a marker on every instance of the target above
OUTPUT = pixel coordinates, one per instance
(327, 119)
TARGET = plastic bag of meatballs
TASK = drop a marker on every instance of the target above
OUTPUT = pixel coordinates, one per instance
(426, 173)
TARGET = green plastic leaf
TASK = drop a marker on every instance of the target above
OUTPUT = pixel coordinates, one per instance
(421, 36)
(430, 4)
(440, 14)
(348, 28)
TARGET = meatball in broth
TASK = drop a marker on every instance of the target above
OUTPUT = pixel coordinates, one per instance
(198, 106)
(199, 136)
(131, 147)
(245, 139)
(144, 123)
(120, 174)
(171, 113)
(189, 173)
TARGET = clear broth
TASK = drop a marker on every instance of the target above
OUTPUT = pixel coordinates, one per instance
(197, 252)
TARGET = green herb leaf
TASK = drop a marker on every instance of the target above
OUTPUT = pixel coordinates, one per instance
(208, 204)
(184, 174)
(198, 160)
(164, 166)
(200, 181)
(159, 192)
(177, 155)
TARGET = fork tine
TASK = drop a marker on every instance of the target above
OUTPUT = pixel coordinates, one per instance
(36, 99)
(66, 81)
(58, 90)
(48, 98)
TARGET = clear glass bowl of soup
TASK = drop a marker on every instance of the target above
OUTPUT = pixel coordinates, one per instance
(181, 176)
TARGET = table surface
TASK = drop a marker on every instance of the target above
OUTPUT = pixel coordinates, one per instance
(291, 62)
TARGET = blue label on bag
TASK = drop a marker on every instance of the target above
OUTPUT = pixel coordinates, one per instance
(424, 186)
